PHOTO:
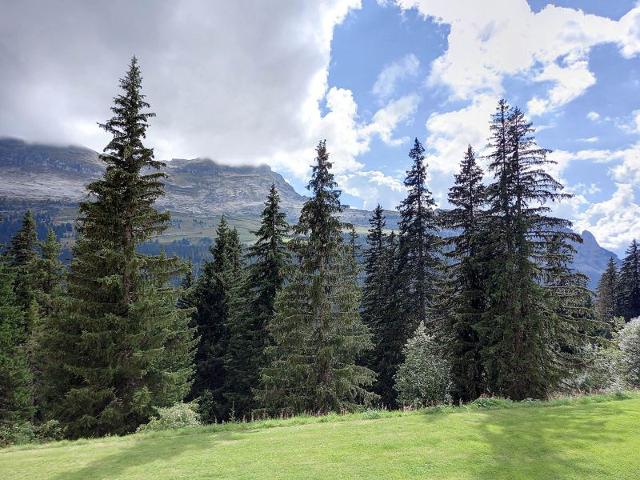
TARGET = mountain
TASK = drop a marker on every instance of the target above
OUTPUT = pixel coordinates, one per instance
(51, 179)
(35, 172)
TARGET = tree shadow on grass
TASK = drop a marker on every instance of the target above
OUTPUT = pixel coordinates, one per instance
(547, 443)
(145, 451)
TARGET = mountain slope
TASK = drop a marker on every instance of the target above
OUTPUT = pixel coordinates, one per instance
(36, 172)
(52, 178)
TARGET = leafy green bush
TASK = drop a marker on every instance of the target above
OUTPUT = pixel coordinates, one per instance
(630, 348)
(16, 433)
(424, 377)
(49, 431)
(601, 372)
(179, 415)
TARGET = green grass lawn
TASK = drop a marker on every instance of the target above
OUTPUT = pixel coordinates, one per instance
(588, 438)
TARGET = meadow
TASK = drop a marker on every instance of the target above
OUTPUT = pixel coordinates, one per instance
(582, 438)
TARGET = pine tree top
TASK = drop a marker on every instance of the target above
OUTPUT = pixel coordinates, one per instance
(23, 245)
(319, 216)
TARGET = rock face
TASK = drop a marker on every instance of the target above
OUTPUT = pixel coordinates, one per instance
(198, 188)
(201, 186)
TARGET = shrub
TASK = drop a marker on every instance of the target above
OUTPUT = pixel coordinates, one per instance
(630, 348)
(16, 433)
(424, 376)
(179, 415)
(49, 431)
(601, 372)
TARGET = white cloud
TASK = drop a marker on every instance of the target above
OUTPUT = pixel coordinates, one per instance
(385, 85)
(492, 39)
(451, 132)
(386, 119)
(570, 81)
(614, 222)
(593, 116)
(589, 140)
(373, 186)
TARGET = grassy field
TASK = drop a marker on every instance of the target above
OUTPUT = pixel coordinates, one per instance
(587, 438)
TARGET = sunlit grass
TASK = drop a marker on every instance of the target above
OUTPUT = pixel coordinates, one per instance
(586, 437)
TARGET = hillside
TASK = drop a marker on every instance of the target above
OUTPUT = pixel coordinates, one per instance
(587, 438)
(51, 180)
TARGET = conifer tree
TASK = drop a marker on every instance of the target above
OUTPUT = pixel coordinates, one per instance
(15, 377)
(606, 305)
(214, 302)
(373, 301)
(418, 254)
(317, 332)
(23, 254)
(379, 306)
(466, 294)
(521, 353)
(122, 346)
(629, 283)
(50, 288)
(248, 334)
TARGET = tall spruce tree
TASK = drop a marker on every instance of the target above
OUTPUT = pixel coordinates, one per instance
(317, 332)
(418, 254)
(15, 376)
(214, 301)
(373, 301)
(523, 341)
(50, 289)
(466, 294)
(379, 306)
(124, 346)
(23, 255)
(606, 304)
(248, 334)
(629, 283)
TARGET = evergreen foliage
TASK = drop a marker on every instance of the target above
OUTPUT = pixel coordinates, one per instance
(606, 299)
(214, 301)
(15, 376)
(418, 248)
(526, 336)
(121, 348)
(629, 283)
(49, 293)
(380, 308)
(465, 297)
(23, 255)
(248, 333)
(318, 335)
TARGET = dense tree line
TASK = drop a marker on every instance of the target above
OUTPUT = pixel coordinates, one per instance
(284, 325)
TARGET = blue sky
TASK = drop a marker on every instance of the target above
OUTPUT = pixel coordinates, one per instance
(262, 82)
(590, 124)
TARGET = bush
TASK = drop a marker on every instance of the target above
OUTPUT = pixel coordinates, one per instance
(16, 433)
(601, 372)
(424, 377)
(630, 348)
(50, 431)
(179, 415)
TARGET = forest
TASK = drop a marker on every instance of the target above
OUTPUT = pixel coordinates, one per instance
(305, 320)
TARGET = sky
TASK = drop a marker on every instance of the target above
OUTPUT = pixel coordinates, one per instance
(250, 81)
